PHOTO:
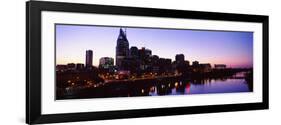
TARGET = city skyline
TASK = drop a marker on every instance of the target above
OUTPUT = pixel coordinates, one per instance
(235, 49)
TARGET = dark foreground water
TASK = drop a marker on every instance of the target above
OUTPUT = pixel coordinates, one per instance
(174, 86)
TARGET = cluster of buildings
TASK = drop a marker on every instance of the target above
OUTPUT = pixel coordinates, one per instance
(138, 60)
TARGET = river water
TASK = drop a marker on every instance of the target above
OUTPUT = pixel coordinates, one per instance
(200, 87)
(233, 84)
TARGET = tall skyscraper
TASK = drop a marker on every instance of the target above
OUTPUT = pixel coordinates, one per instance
(122, 48)
(89, 58)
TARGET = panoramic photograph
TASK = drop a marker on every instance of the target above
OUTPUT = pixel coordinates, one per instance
(118, 61)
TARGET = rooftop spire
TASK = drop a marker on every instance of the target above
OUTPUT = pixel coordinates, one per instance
(125, 31)
(122, 34)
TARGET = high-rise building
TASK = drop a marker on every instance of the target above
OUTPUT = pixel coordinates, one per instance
(155, 59)
(61, 68)
(179, 58)
(89, 58)
(134, 52)
(187, 63)
(122, 48)
(180, 65)
(155, 64)
(79, 66)
(195, 63)
(144, 53)
(148, 52)
(71, 66)
(165, 64)
(106, 62)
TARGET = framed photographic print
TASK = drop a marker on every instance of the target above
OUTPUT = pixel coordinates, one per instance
(94, 62)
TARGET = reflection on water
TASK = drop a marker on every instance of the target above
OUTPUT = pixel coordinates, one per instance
(235, 83)
(173, 86)
(199, 87)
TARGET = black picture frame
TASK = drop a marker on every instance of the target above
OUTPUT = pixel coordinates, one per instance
(33, 61)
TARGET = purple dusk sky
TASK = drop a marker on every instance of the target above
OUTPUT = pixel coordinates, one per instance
(235, 49)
